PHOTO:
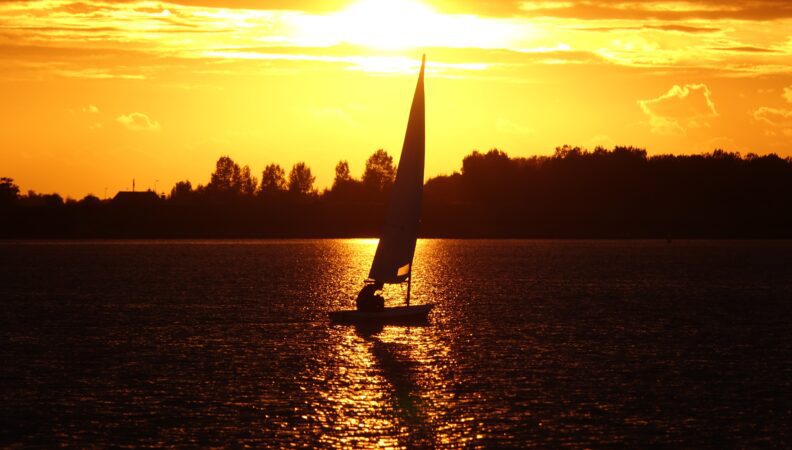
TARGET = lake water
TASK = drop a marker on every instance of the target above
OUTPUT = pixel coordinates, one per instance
(531, 344)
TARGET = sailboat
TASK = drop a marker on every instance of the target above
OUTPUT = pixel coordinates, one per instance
(393, 260)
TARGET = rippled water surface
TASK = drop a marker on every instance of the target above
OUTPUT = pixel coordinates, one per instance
(531, 343)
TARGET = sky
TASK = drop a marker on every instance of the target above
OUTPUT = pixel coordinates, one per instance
(94, 94)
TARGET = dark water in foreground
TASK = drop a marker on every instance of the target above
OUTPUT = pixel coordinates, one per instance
(532, 343)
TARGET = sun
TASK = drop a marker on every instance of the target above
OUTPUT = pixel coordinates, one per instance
(406, 24)
(390, 24)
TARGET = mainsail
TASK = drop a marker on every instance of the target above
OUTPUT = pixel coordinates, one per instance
(393, 259)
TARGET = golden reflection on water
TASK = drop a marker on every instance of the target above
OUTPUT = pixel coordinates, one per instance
(354, 408)
(387, 387)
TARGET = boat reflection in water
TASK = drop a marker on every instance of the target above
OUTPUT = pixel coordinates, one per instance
(390, 388)
(390, 385)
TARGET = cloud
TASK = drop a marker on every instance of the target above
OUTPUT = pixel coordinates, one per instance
(746, 48)
(681, 108)
(96, 74)
(670, 28)
(134, 39)
(643, 10)
(684, 28)
(780, 118)
(90, 109)
(582, 9)
(138, 122)
(295, 5)
(776, 117)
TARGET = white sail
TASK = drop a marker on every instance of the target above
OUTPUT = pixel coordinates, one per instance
(393, 259)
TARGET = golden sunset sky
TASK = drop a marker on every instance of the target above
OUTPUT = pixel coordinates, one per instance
(95, 93)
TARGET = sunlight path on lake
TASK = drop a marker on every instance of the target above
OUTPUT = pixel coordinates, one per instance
(386, 386)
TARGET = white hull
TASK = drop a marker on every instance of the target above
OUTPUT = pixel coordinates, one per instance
(393, 314)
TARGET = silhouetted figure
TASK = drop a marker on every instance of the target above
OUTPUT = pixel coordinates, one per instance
(368, 300)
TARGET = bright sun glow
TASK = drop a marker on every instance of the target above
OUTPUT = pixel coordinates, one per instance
(402, 24)
(390, 24)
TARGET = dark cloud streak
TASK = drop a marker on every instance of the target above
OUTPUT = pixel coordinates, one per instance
(623, 10)
(674, 28)
(581, 9)
(608, 11)
(575, 9)
(746, 48)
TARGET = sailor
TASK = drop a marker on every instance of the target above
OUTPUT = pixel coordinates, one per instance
(368, 300)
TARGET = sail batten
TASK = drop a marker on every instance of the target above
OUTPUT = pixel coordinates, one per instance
(396, 248)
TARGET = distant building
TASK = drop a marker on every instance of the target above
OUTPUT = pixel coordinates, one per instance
(136, 198)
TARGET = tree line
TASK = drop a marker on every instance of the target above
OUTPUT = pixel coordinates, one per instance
(229, 181)
(621, 192)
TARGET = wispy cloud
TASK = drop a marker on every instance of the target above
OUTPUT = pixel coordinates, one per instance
(633, 33)
(778, 119)
(681, 108)
(666, 10)
(581, 9)
(746, 48)
(138, 122)
(96, 74)
(788, 94)
(670, 27)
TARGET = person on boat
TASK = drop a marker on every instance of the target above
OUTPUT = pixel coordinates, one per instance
(368, 300)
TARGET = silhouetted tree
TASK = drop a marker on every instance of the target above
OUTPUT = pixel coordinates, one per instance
(342, 174)
(226, 176)
(40, 200)
(273, 179)
(247, 182)
(8, 191)
(90, 200)
(229, 178)
(345, 187)
(301, 179)
(52, 199)
(182, 190)
(444, 189)
(567, 151)
(379, 173)
(488, 177)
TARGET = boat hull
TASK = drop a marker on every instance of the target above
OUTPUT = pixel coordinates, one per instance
(396, 314)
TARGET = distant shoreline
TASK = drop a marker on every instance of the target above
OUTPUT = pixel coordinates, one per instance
(43, 240)
(574, 194)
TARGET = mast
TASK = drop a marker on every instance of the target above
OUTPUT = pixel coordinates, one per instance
(409, 284)
(409, 279)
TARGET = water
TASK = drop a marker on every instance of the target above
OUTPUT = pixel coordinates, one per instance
(532, 343)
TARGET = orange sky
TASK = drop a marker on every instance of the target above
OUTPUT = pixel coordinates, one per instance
(95, 93)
